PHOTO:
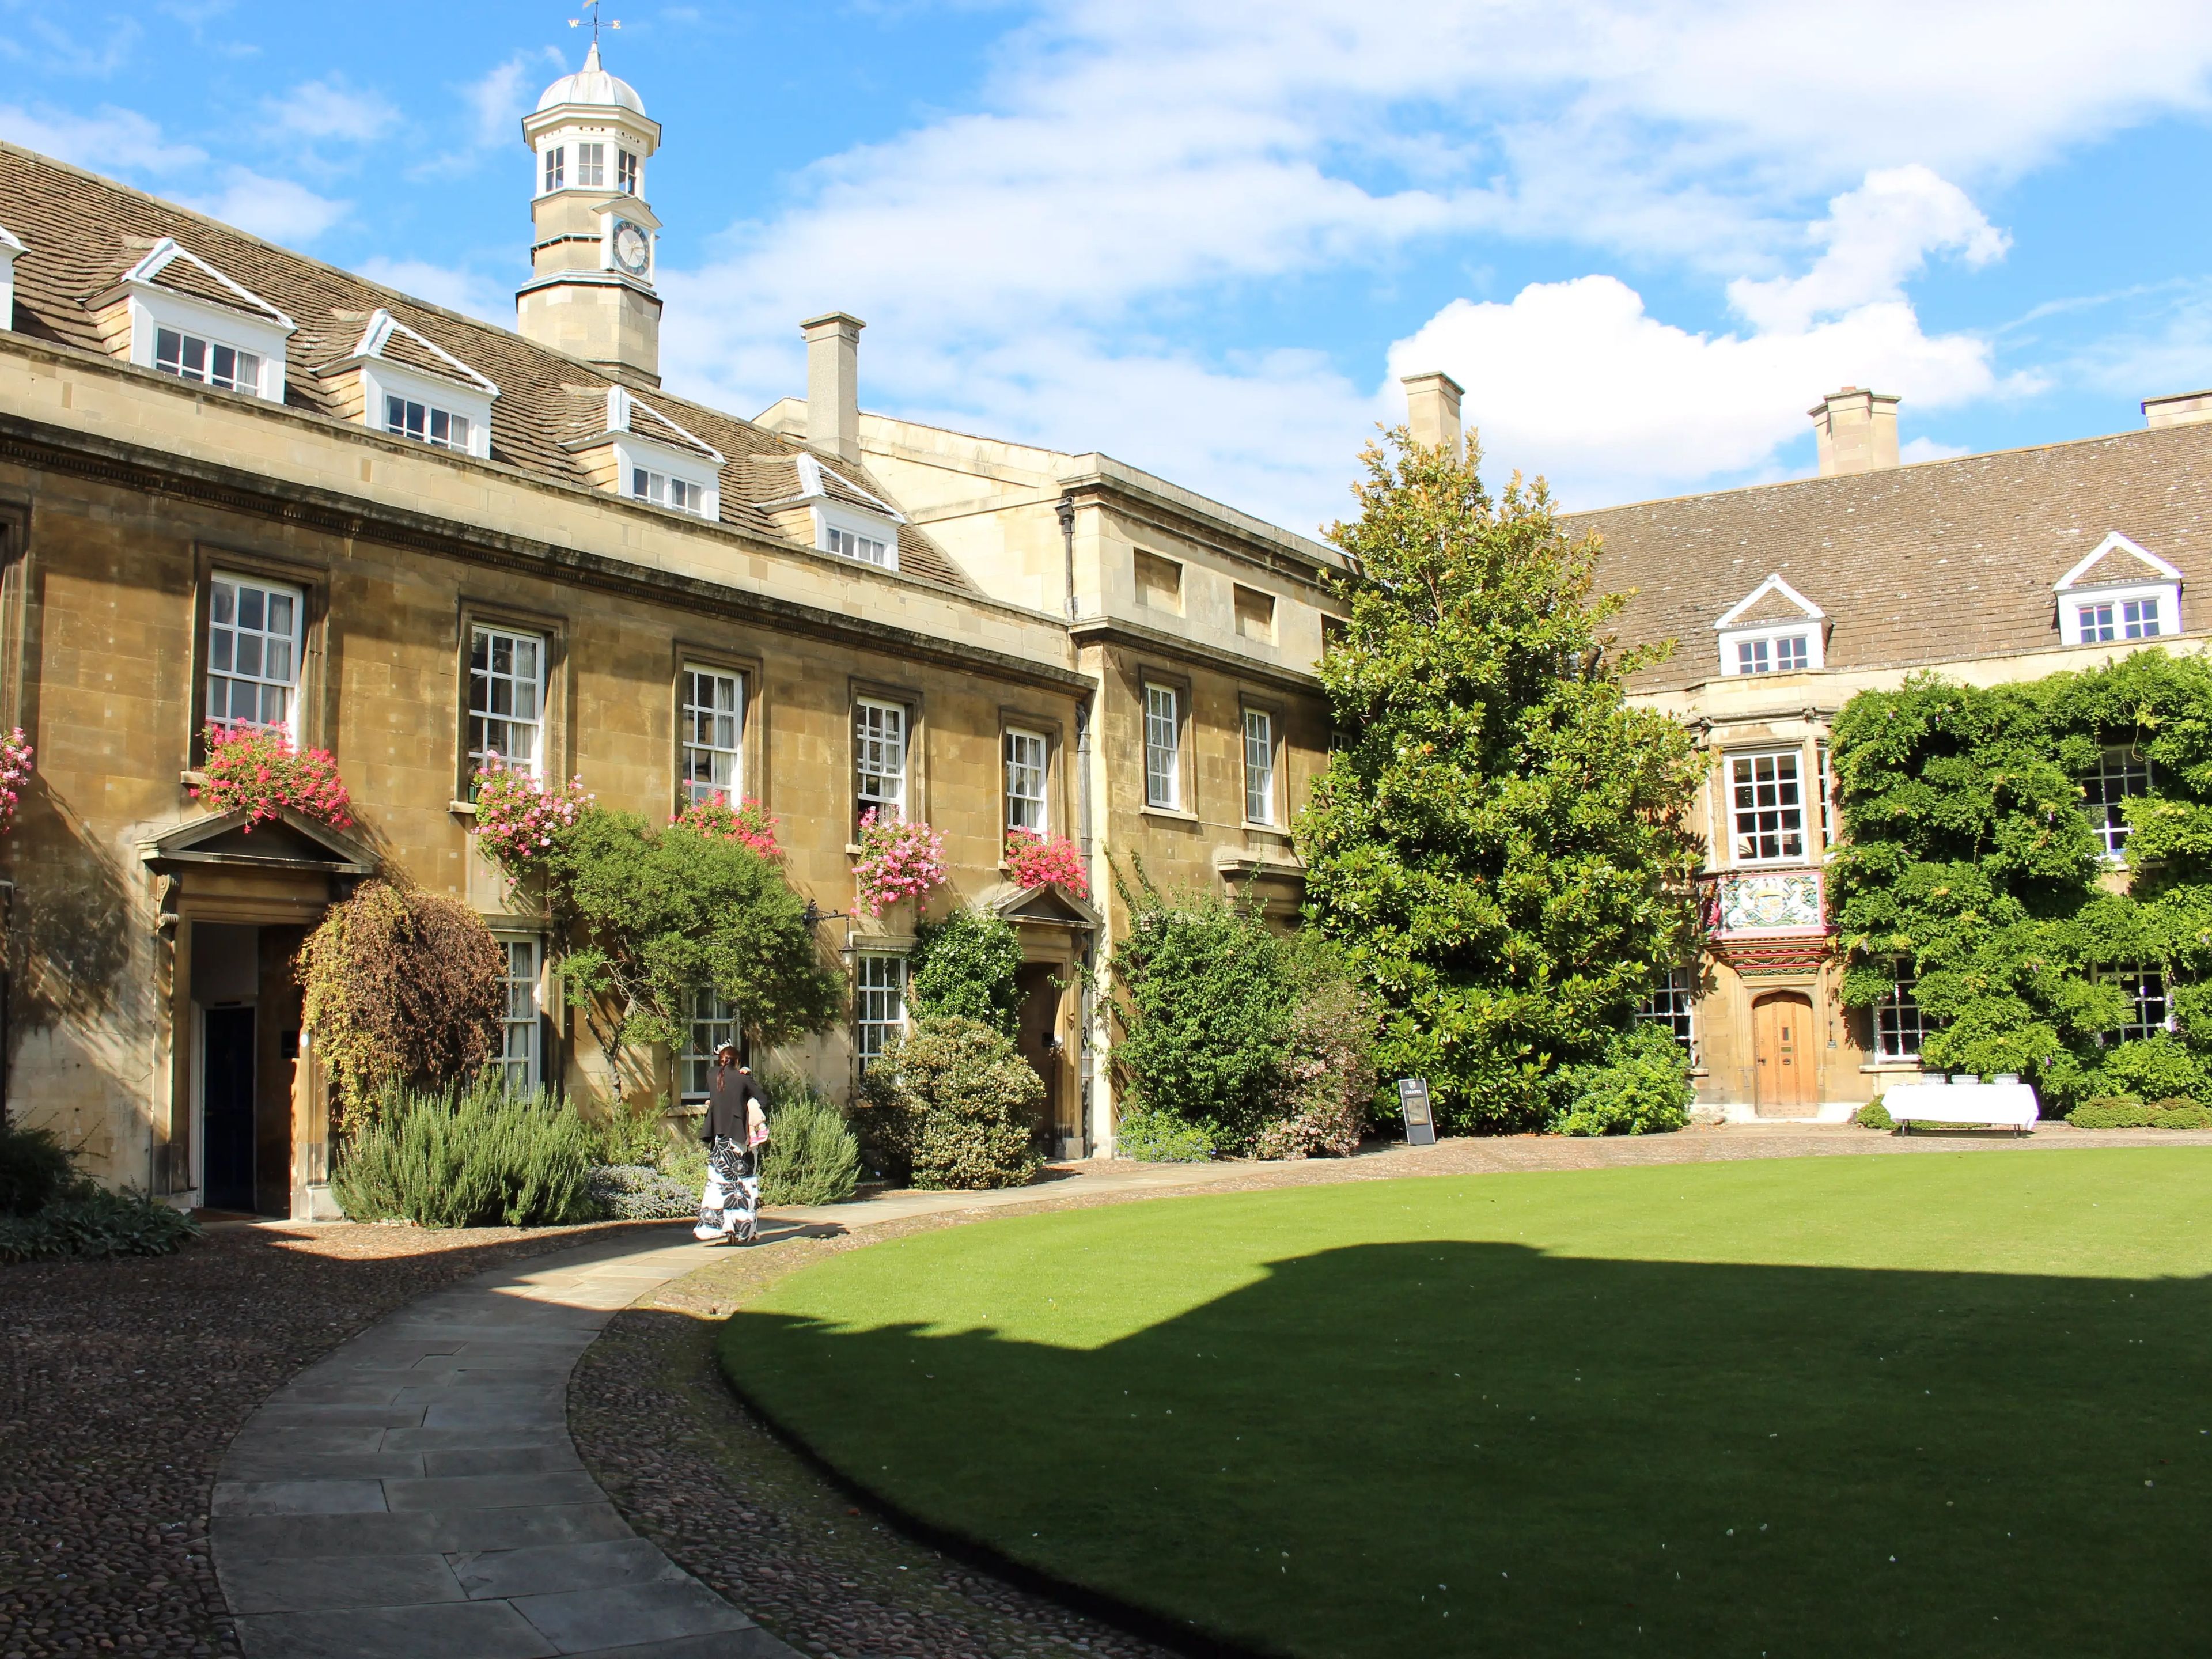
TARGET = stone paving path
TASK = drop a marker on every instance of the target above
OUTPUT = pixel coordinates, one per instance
(415, 1495)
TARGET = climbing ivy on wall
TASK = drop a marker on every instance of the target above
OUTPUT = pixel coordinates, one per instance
(1972, 865)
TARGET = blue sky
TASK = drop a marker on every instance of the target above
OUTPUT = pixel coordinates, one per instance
(1209, 239)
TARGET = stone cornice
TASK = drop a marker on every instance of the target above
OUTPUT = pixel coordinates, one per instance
(1113, 630)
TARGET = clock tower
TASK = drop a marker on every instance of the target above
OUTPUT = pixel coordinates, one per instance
(590, 293)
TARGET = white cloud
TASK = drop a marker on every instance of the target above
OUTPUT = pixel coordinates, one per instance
(468, 292)
(1133, 163)
(499, 99)
(277, 209)
(110, 140)
(1577, 380)
(329, 108)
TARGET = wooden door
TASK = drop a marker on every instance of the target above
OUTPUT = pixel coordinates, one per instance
(1037, 1037)
(1782, 1055)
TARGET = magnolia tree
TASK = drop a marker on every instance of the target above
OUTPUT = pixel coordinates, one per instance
(1498, 843)
(646, 918)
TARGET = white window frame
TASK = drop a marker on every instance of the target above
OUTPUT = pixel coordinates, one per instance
(2150, 997)
(226, 639)
(878, 1004)
(1163, 716)
(1028, 757)
(521, 1029)
(835, 523)
(713, 735)
(1832, 816)
(2119, 766)
(629, 170)
(1671, 1005)
(1741, 646)
(190, 356)
(1901, 1027)
(713, 1022)
(882, 753)
(553, 174)
(1259, 743)
(153, 309)
(1780, 809)
(481, 719)
(9, 248)
(635, 454)
(659, 489)
(2157, 585)
(382, 380)
(591, 164)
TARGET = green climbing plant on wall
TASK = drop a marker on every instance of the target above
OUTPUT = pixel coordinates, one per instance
(1976, 865)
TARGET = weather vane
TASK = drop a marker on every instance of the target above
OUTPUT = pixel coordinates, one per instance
(593, 7)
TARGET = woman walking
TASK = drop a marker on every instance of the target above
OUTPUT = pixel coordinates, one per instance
(735, 1130)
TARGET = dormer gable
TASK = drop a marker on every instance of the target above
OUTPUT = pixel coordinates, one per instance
(1772, 630)
(640, 452)
(175, 314)
(824, 509)
(2121, 591)
(398, 380)
(9, 248)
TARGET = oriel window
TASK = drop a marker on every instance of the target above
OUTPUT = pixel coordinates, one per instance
(1767, 805)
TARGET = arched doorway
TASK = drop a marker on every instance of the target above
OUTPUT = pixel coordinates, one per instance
(1783, 1061)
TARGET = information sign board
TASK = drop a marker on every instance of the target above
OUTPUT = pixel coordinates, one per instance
(1413, 1102)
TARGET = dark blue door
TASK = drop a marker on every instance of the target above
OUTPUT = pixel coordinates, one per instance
(227, 1110)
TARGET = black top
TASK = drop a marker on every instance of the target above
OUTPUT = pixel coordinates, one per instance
(727, 1091)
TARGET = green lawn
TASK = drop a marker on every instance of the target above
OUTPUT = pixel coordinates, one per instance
(1929, 1404)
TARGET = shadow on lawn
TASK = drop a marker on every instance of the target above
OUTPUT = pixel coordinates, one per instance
(1456, 1448)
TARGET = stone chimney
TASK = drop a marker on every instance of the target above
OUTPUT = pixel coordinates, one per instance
(1433, 409)
(2181, 408)
(833, 383)
(1857, 430)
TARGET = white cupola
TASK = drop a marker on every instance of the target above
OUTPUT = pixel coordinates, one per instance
(592, 254)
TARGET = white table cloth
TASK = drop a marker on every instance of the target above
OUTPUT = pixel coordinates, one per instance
(2009, 1105)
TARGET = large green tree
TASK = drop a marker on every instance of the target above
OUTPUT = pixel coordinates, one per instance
(1498, 843)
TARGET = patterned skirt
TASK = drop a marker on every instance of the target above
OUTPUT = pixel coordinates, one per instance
(726, 1209)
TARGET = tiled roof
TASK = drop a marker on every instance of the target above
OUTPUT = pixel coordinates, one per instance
(82, 234)
(1914, 565)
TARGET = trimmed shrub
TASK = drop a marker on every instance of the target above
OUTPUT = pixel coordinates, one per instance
(2156, 1068)
(1158, 1138)
(88, 1220)
(2126, 1112)
(639, 1192)
(953, 1104)
(812, 1156)
(1641, 1087)
(2179, 1114)
(35, 1170)
(486, 1159)
(1873, 1115)
(969, 964)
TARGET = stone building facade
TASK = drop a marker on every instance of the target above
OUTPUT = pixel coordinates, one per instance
(1785, 600)
(236, 483)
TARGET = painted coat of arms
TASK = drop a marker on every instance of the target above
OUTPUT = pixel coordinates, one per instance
(1768, 901)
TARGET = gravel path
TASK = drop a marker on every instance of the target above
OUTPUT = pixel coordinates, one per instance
(689, 1468)
(124, 1382)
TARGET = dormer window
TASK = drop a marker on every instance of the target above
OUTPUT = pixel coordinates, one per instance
(647, 485)
(1780, 653)
(1772, 630)
(190, 357)
(868, 550)
(592, 166)
(557, 168)
(174, 313)
(2121, 591)
(405, 418)
(626, 172)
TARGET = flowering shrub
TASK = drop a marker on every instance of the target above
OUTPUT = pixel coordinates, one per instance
(900, 858)
(256, 770)
(744, 823)
(518, 816)
(1033, 861)
(15, 753)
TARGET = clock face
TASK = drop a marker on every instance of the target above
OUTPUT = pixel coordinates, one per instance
(631, 249)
